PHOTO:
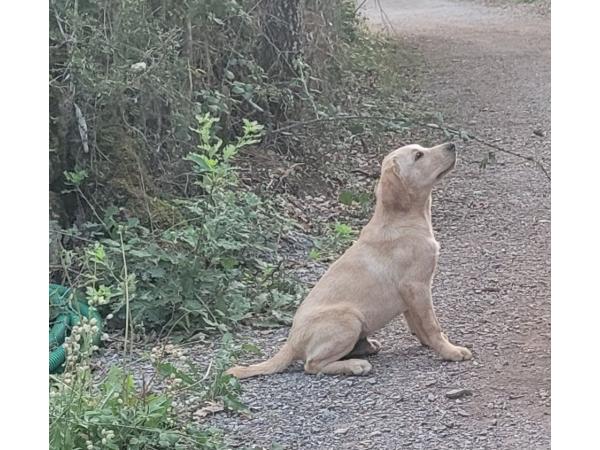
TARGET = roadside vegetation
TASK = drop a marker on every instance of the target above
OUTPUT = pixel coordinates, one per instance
(182, 134)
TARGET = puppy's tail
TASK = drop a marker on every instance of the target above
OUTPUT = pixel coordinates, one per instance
(282, 359)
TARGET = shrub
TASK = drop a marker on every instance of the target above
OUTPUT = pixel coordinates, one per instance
(217, 267)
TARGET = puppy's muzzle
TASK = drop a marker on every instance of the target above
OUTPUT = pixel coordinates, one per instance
(450, 147)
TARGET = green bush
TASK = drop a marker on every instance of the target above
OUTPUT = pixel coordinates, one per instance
(217, 267)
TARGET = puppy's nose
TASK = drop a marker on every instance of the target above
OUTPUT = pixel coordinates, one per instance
(451, 147)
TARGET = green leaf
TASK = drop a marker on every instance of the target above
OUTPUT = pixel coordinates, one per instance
(229, 263)
(343, 230)
(157, 272)
(202, 162)
(76, 177)
(364, 197)
(229, 152)
(251, 348)
(140, 253)
(238, 89)
(355, 128)
(166, 369)
(346, 197)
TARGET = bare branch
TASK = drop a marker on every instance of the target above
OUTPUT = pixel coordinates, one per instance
(434, 126)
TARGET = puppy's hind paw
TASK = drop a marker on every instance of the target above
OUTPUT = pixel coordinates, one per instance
(375, 347)
(360, 367)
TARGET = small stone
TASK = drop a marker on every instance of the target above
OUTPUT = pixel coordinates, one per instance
(462, 412)
(138, 67)
(375, 433)
(431, 397)
(458, 393)
(341, 431)
(430, 383)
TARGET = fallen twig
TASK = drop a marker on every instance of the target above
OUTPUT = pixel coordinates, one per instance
(365, 173)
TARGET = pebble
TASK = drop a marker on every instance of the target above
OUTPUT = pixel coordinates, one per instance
(462, 412)
(458, 393)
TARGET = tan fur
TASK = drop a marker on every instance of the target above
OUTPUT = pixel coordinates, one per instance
(387, 272)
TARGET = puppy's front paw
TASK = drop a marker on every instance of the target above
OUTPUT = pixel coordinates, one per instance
(456, 353)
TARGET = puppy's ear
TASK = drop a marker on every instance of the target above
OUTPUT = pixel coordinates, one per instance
(392, 190)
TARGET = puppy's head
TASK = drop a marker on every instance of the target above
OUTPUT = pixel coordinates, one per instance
(409, 173)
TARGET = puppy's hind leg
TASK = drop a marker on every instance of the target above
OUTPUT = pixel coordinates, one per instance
(364, 347)
(331, 340)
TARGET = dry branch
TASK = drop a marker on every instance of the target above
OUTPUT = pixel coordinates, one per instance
(450, 130)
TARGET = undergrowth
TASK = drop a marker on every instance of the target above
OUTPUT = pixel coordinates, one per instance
(216, 267)
(119, 411)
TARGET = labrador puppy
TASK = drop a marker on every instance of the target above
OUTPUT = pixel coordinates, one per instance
(388, 271)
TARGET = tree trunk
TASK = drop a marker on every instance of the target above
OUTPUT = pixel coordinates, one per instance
(280, 48)
(283, 29)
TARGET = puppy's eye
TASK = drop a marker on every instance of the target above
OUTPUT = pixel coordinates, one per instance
(418, 155)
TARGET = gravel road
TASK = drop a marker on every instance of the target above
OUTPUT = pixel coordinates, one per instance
(488, 71)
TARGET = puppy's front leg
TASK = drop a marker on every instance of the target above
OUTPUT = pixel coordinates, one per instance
(415, 329)
(420, 310)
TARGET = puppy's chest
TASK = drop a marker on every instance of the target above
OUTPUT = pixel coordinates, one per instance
(407, 256)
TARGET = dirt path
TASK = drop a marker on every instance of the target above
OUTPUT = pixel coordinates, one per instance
(488, 70)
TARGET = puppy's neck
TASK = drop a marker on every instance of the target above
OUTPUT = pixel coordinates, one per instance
(386, 219)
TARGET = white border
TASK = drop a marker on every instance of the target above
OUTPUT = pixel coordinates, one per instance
(575, 226)
(24, 233)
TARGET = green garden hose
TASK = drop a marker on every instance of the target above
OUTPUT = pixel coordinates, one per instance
(71, 313)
